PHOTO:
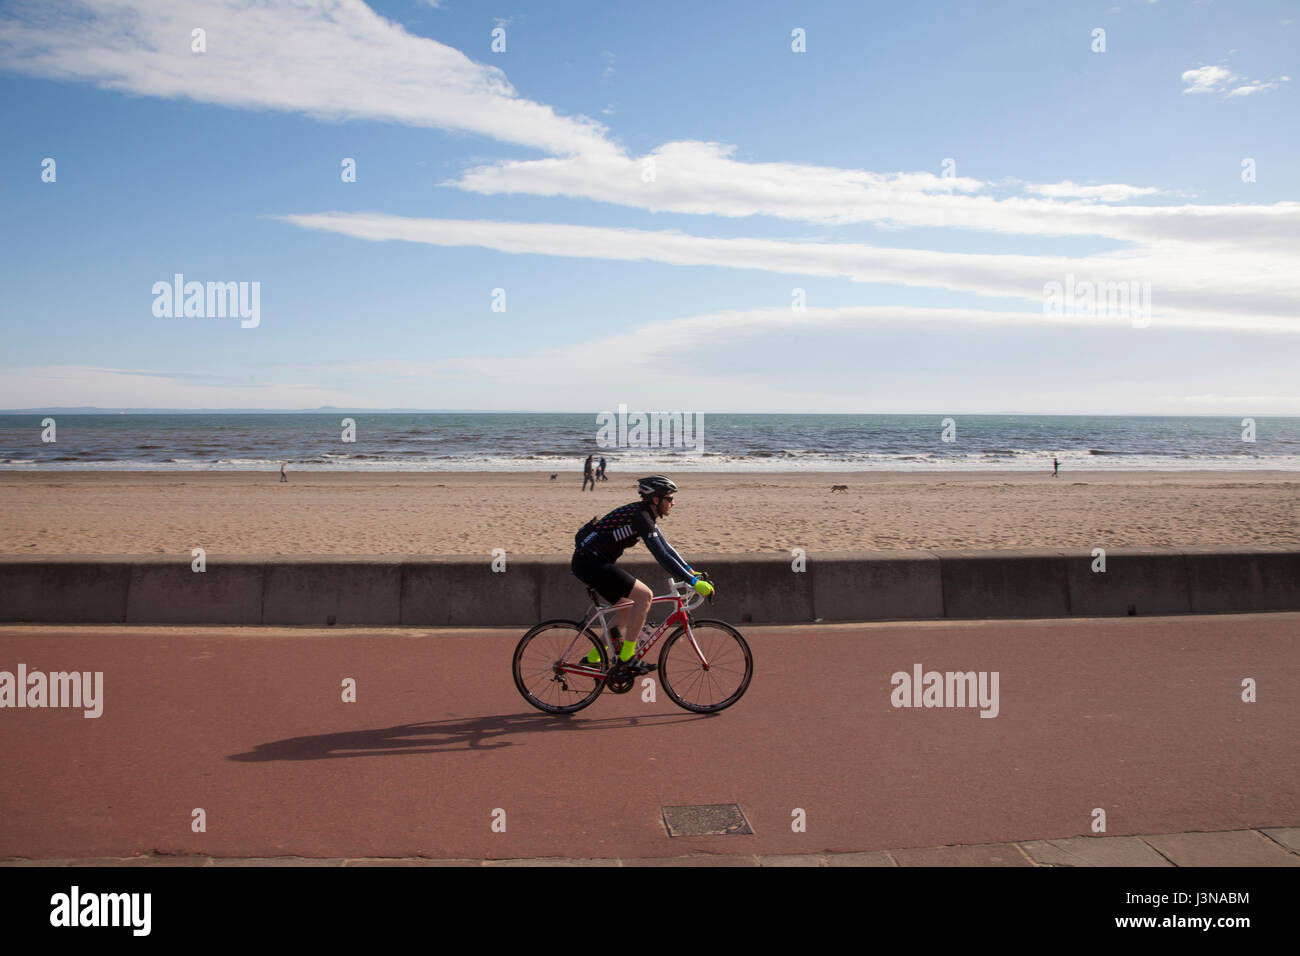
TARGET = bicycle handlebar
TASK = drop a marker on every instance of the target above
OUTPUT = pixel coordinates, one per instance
(684, 589)
(691, 598)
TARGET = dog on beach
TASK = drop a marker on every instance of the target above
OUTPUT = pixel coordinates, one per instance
(835, 488)
(553, 477)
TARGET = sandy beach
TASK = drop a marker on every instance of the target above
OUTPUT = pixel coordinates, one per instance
(527, 513)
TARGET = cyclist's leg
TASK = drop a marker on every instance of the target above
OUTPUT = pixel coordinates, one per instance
(633, 618)
(611, 582)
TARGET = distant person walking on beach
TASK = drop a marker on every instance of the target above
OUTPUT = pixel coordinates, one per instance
(587, 475)
(283, 476)
(600, 472)
(1056, 466)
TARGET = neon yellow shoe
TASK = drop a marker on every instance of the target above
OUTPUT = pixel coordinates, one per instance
(625, 654)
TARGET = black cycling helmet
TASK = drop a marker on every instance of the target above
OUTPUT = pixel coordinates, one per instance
(655, 485)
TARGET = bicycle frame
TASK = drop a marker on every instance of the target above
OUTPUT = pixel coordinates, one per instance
(679, 616)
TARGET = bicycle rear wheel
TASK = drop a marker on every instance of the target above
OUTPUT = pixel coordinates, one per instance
(695, 685)
(543, 662)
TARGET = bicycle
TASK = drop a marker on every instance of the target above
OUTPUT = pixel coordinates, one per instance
(709, 673)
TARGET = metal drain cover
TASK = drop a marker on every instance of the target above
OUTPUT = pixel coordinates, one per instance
(720, 819)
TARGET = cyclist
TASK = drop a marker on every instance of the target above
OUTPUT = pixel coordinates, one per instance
(602, 541)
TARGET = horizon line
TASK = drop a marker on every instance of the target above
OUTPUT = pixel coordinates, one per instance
(323, 409)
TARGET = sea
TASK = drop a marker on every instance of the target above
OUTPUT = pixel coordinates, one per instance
(500, 441)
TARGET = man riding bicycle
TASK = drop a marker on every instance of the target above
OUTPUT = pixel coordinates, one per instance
(602, 541)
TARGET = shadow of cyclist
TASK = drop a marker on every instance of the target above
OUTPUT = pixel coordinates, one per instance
(441, 736)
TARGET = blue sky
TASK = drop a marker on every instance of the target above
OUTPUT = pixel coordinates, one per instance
(649, 184)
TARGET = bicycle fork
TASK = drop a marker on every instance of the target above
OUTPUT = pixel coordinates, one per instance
(695, 644)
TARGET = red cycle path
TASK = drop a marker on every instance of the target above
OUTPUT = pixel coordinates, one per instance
(1141, 717)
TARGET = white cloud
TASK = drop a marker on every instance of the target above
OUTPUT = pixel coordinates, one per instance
(1112, 192)
(1219, 79)
(339, 60)
(1199, 286)
(1252, 88)
(703, 179)
(1207, 79)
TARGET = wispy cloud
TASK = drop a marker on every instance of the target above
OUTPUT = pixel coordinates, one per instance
(1219, 79)
(339, 60)
(700, 178)
(1111, 192)
(1256, 87)
(1193, 286)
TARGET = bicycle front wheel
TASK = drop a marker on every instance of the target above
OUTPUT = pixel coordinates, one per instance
(708, 673)
(549, 667)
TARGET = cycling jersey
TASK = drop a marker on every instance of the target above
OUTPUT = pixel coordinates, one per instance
(605, 539)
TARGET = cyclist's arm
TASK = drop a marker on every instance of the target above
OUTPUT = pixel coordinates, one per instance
(668, 559)
(690, 572)
(692, 577)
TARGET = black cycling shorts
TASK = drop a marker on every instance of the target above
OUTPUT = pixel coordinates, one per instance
(610, 581)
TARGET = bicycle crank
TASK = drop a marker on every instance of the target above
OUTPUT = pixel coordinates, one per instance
(620, 679)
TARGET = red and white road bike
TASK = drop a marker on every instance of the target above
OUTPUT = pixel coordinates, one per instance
(704, 666)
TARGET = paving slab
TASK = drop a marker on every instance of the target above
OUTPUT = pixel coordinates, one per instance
(552, 861)
(274, 861)
(1093, 851)
(876, 858)
(793, 859)
(988, 854)
(697, 860)
(1289, 837)
(96, 862)
(1234, 848)
(412, 862)
(185, 860)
